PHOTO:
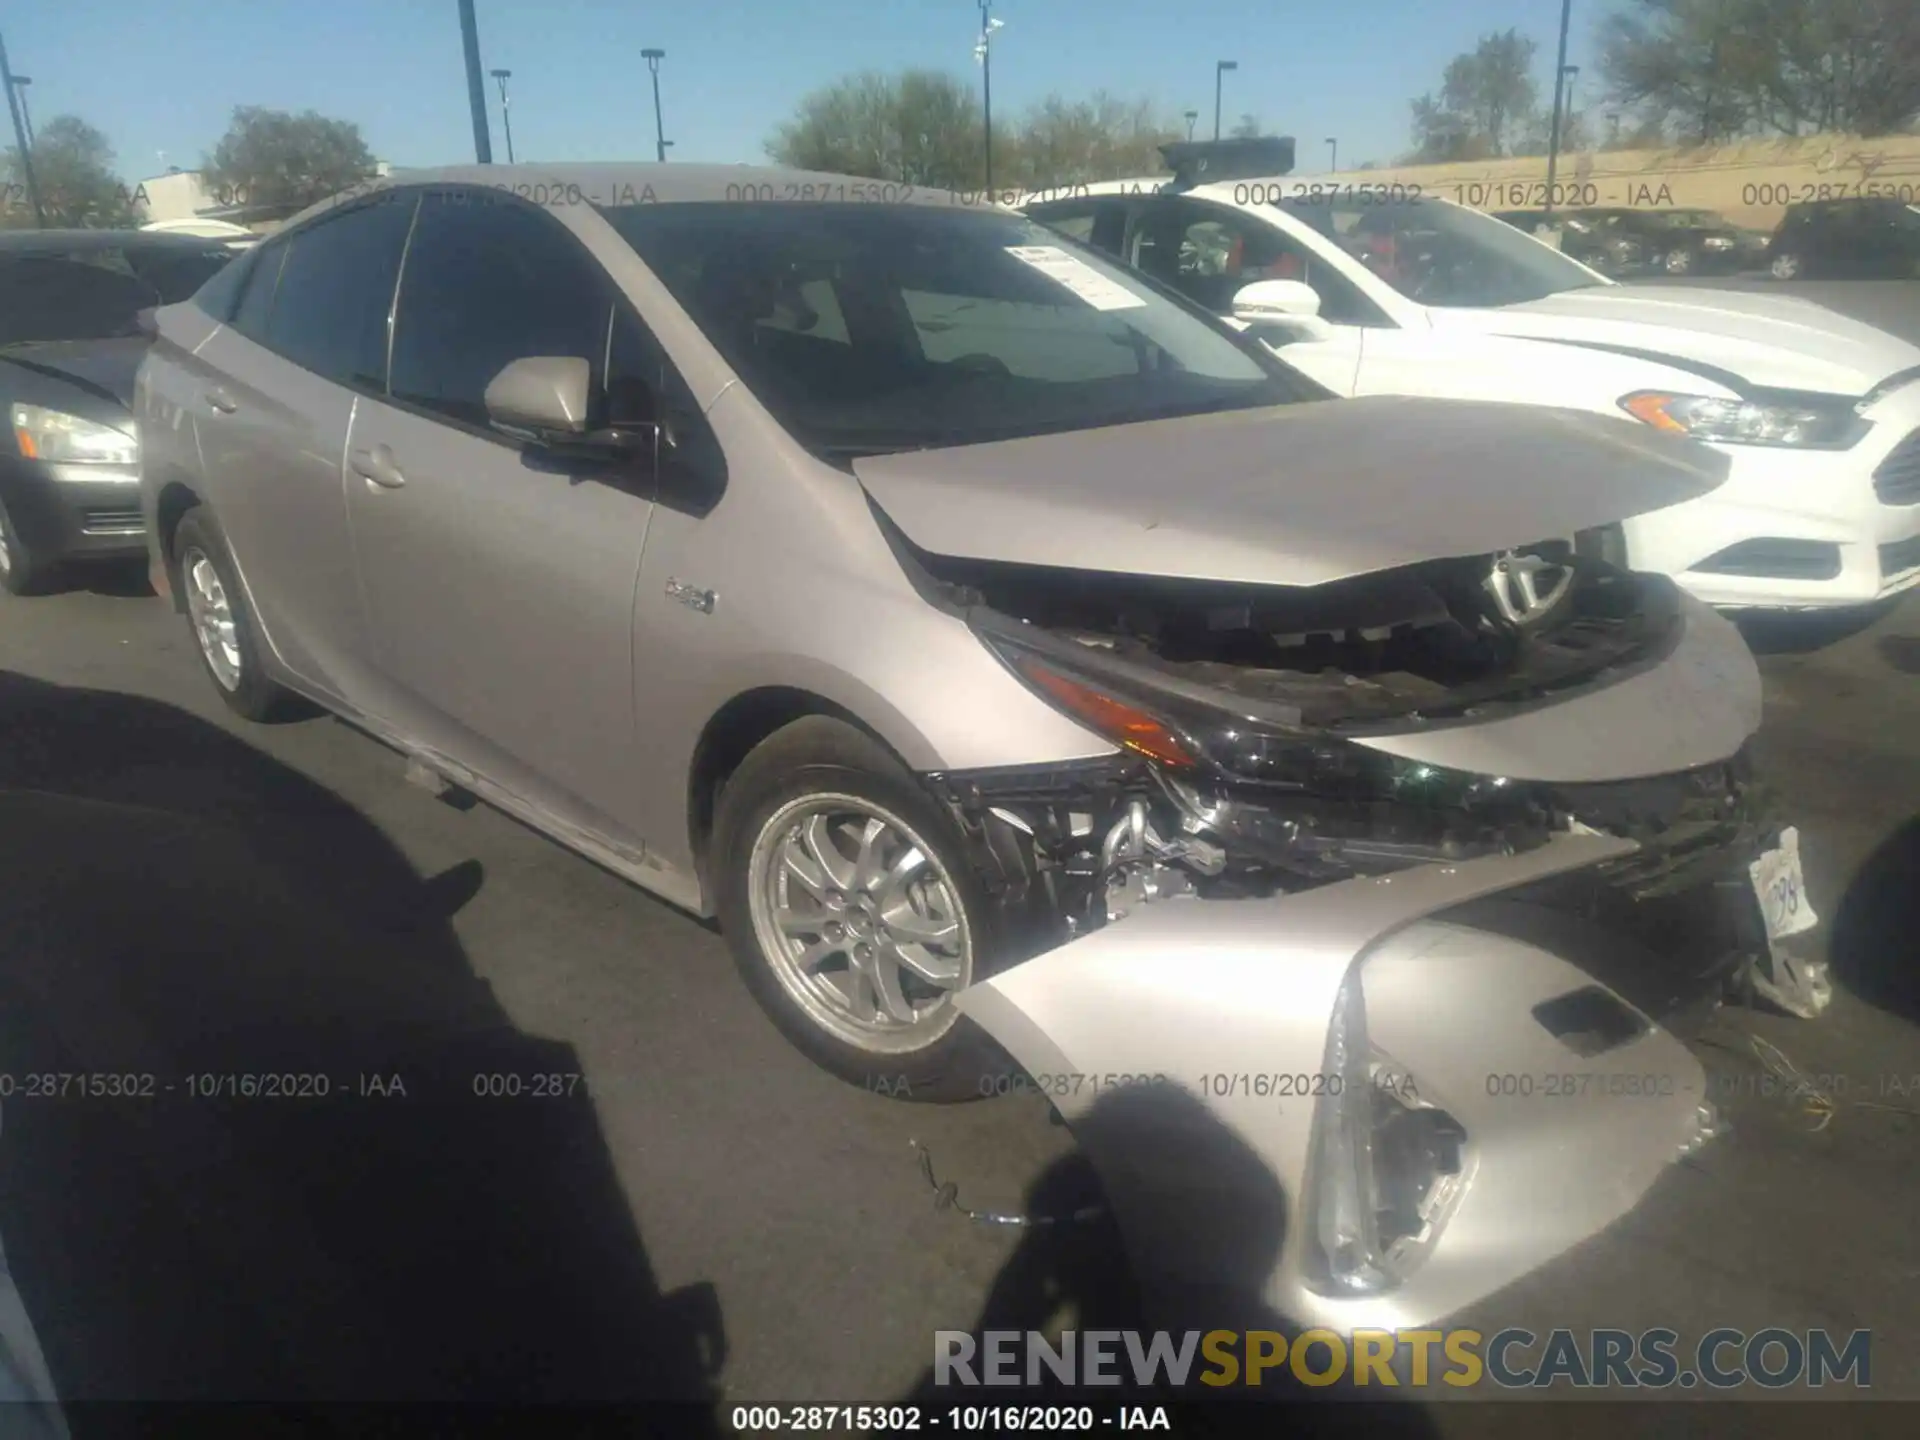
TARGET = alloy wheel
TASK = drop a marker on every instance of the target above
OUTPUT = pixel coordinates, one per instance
(212, 616)
(860, 922)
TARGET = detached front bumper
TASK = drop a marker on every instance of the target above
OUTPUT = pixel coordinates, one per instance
(75, 511)
(1188, 1048)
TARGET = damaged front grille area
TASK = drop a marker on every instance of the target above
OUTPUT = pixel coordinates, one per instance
(1066, 848)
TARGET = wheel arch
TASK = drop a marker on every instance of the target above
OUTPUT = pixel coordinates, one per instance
(730, 735)
(175, 500)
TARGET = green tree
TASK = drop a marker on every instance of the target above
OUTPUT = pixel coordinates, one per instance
(1716, 70)
(925, 128)
(1058, 142)
(1246, 128)
(919, 128)
(73, 171)
(1487, 102)
(275, 163)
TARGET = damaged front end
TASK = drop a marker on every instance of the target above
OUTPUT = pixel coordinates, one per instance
(1256, 730)
(1483, 856)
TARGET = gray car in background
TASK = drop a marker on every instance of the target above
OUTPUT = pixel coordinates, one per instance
(1006, 651)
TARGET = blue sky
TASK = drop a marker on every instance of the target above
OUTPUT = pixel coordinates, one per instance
(162, 76)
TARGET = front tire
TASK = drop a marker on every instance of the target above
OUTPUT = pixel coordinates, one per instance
(853, 914)
(224, 631)
(22, 572)
(1785, 267)
(1679, 262)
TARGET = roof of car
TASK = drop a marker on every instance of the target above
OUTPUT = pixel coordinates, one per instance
(609, 183)
(614, 183)
(68, 241)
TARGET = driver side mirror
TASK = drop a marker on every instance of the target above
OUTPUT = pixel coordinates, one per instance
(546, 400)
(1281, 310)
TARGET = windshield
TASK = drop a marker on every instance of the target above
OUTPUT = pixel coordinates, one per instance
(95, 294)
(1441, 254)
(873, 328)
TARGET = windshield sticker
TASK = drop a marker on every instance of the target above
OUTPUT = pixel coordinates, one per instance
(1078, 276)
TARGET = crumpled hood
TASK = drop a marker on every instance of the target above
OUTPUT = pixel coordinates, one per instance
(1288, 495)
(1781, 341)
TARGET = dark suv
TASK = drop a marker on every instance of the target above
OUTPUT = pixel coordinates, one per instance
(1675, 242)
(1599, 246)
(1863, 237)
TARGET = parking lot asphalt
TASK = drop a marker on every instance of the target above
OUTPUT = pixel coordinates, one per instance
(703, 1199)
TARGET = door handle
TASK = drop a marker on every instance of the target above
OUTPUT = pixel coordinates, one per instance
(220, 400)
(376, 465)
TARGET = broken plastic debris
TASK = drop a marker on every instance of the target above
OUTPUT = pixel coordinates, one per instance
(947, 1197)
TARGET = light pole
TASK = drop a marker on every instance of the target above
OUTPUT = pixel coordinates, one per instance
(1333, 156)
(20, 83)
(1220, 69)
(653, 59)
(1192, 115)
(20, 136)
(476, 84)
(506, 111)
(1573, 78)
(1553, 132)
(983, 52)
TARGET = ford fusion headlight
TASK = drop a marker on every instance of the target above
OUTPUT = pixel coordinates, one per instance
(63, 439)
(1809, 426)
(1387, 1166)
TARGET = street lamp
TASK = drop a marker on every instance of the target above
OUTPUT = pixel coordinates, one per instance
(983, 52)
(1333, 156)
(20, 83)
(1572, 72)
(506, 113)
(1192, 115)
(20, 138)
(653, 59)
(1553, 133)
(1220, 69)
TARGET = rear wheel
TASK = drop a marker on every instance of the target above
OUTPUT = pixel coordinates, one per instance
(22, 572)
(223, 627)
(1786, 266)
(1679, 262)
(852, 912)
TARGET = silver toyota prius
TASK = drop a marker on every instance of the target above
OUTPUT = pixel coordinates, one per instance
(919, 592)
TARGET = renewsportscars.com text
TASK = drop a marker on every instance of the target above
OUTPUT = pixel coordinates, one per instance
(1510, 1359)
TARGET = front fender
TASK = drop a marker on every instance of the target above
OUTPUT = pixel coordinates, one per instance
(1226, 1005)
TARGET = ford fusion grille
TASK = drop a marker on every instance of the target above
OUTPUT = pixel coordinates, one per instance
(1897, 481)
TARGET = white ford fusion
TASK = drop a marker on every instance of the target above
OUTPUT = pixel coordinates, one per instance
(1381, 290)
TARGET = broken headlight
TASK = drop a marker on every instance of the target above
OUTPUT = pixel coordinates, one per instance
(1386, 1168)
(1187, 736)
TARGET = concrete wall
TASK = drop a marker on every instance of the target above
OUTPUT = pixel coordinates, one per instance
(1750, 183)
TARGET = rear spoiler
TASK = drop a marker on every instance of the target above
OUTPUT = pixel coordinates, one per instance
(1201, 162)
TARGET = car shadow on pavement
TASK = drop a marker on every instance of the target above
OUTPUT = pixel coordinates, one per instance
(1872, 946)
(264, 1134)
(1769, 632)
(1203, 1229)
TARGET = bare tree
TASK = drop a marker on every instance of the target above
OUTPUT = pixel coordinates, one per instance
(1486, 103)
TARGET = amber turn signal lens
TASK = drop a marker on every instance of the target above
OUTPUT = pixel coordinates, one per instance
(1127, 727)
(1651, 407)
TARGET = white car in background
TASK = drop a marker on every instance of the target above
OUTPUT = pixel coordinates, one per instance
(1380, 290)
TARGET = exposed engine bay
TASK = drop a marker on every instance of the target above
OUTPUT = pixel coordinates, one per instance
(1237, 709)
